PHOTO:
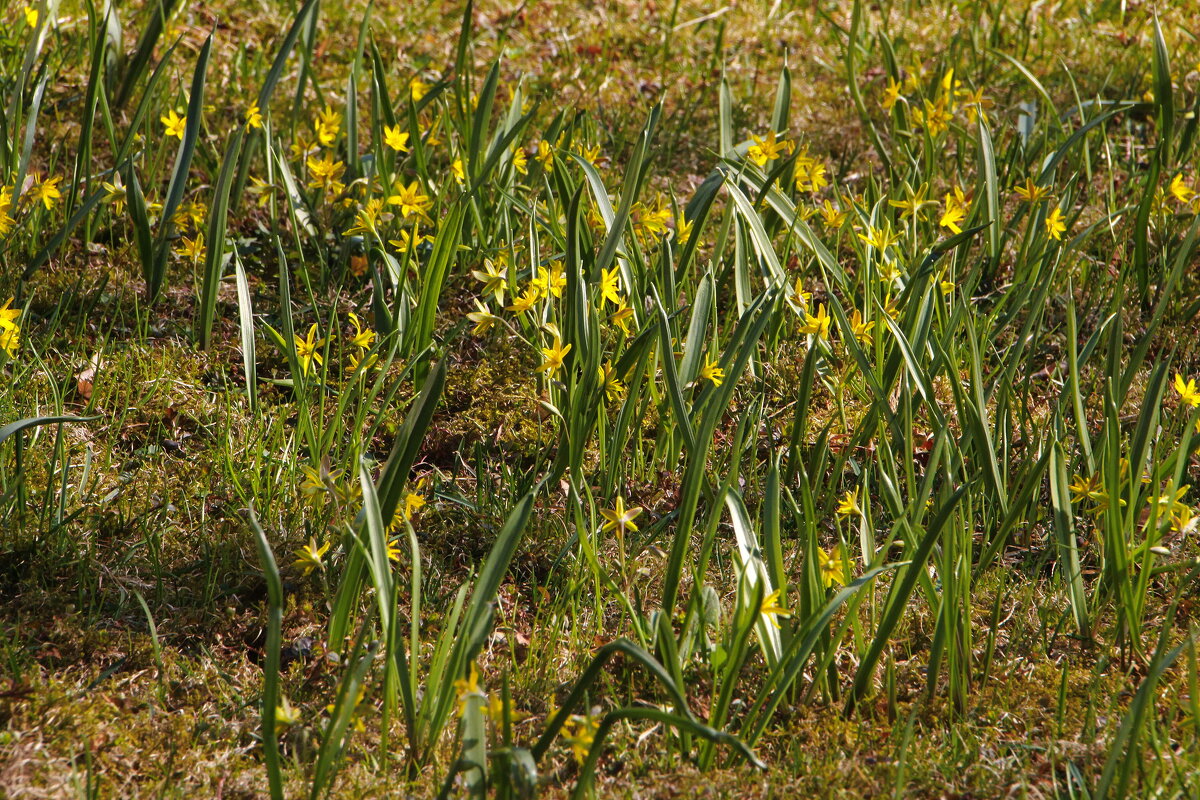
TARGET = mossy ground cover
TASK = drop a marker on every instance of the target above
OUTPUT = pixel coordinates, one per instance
(830, 366)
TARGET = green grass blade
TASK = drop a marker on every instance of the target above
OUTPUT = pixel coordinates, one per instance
(246, 324)
(137, 65)
(179, 174)
(898, 596)
(214, 256)
(270, 695)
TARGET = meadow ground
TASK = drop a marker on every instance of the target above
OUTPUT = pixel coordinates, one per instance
(637, 399)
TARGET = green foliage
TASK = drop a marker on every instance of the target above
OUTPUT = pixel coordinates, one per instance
(845, 405)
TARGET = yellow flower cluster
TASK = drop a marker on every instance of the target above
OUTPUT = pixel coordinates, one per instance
(532, 303)
(493, 706)
(950, 97)
(809, 172)
(310, 348)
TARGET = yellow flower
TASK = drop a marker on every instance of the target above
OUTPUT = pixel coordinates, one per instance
(363, 337)
(254, 118)
(8, 316)
(861, 330)
(848, 504)
(191, 213)
(545, 155)
(891, 94)
(493, 278)
(115, 193)
(327, 126)
(308, 349)
(552, 280)
(1170, 502)
(554, 356)
(914, 202)
(581, 736)
(526, 301)
(772, 608)
(954, 212)
(326, 173)
(879, 238)
(1101, 500)
(497, 712)
(612, 385)
(594, 220)
(818, 324)
(483, 318)
(174, 124)
(935, 117)
(1188, 394)
(460, 175)
(610, 285)
(356, 358)
(366, 218)
(1055, 225)
(519, 162)
(766, 148)
(395, 138)
(261, 189)
(358, 723)
(948, 81)
(1030, 192)
(1183, 521)
(976, 104)
(468, 687)
(889, 272)
(1081, 488)
(621, 317)
(650, 221)
(393, 550)
(314, 481)
(916, 75)
(408, 240)
(834, 567)
(411, 200)
(430, 133)
(310, 557)
(800, 292)
(589, 154)
(810, 175)
(47, 192)
(191, 249)
(10, 339)
(711, 372)
(31, 16)
(620, 517)
(413, 503)
(6, 205)
(683, 229)
(1180, 190)
(418, 88)
(301, 147)
(285, 715)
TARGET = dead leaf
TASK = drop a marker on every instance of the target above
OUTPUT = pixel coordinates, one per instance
(84, 383)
